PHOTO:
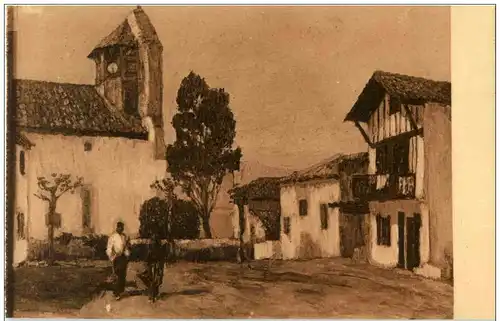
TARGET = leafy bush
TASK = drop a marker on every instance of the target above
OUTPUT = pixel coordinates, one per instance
(98, 244)
(70, 247)
(64, 238)
(64, 250)
(153, 218)
(156, 217)
(185, 222)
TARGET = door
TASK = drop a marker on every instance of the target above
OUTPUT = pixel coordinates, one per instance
(351, 233)
(413, 241)
(346, 235)
(401, 240)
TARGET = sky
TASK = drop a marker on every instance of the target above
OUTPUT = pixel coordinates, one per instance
(292, 72)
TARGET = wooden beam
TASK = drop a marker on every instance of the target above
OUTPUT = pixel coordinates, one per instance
(365, 136)
(403, 136)
(410, 115)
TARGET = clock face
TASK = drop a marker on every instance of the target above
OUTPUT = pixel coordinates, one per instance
(112, 68)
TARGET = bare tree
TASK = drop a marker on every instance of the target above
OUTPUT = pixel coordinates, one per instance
(50, 190)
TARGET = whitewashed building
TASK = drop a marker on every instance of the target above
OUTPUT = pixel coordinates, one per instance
(110, 133)
(406, 122)
(318, 217)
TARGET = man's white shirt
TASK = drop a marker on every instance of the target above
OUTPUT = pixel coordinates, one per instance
(117, 245)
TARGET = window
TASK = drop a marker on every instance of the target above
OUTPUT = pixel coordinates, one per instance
(20, 226)
(87, 146)
(286, 225)
(303, 207)
(86, 208)
(394, 105)
(382, 159)
(22, 163)
(323, 210)
(383, 230)
(130, 98)
(393, 157)
(401, 151)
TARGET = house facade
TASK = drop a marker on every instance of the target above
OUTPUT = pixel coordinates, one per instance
(317, 218)
(406, 123)
(109, 133)
(258, 216)
(258, 207)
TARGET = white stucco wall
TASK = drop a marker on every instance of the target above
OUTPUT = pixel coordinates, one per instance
(438, 180)
(387, 256)
(118, 172)
(251, 220)
(383, 255)
(306, 238)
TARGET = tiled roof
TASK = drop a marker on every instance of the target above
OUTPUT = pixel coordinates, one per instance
(23, 141)
(123, 35)
(327, 169)
(260, 188)
(406, 88)
(72, 109)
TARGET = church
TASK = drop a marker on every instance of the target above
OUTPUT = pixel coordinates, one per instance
(110, 133)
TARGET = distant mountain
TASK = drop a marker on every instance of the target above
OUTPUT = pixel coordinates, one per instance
(250, 170)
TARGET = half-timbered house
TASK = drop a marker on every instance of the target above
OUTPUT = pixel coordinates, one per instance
(406, 122)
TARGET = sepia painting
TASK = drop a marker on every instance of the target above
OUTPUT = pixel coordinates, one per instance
(229, 162)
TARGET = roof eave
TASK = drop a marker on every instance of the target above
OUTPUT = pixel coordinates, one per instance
(24, 141)
(306, 180)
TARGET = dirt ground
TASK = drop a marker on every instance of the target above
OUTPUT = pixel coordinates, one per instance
(59, 290)
(326, 288)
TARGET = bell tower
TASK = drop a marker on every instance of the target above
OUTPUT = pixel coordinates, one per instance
(129, 73)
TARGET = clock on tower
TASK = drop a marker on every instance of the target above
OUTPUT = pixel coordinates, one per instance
(112, 68)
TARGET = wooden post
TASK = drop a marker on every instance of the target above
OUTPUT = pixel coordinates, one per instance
(413, 123)
(365, 135)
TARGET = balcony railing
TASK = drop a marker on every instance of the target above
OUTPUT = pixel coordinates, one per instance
(383, 186)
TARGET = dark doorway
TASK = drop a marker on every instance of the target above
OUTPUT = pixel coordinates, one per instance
(401, 240)
(351, 233)
(413, 225)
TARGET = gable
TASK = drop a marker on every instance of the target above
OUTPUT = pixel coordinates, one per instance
(408, 89)
(135, 28)
(121, 36)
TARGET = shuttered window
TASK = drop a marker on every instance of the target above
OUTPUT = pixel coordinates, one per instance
(22, 163)
(383, 230)
(303, 207)
(20, 226)
(286, 225)
(323, 209)
(86, 208)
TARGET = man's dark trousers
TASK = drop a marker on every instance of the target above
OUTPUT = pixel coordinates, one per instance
(120, 267)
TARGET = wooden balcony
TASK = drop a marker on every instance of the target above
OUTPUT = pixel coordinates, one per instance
(383, 187)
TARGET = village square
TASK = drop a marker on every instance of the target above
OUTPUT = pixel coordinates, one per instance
(362, 229)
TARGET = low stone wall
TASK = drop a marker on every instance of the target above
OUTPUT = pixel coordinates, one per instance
(190, 250)
(201, 250)
(267, 250)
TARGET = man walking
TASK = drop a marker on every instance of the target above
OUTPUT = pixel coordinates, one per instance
(118, 252)
(155, 265)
